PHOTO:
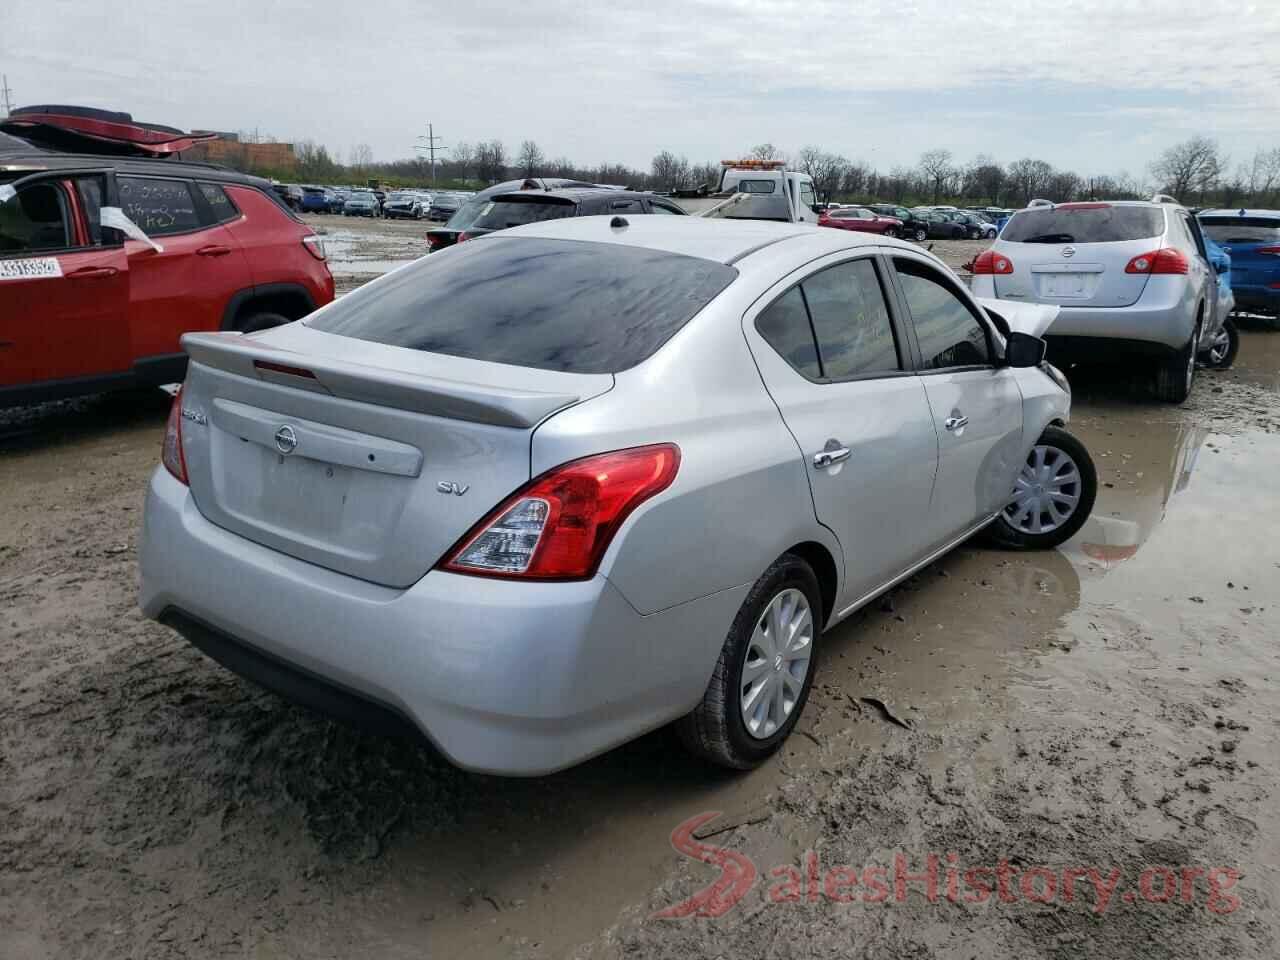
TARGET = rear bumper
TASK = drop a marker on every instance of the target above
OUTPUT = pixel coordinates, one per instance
(503, 677)
(1256, 297)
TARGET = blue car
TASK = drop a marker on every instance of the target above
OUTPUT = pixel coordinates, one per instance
(314, 200)
(1252, 239)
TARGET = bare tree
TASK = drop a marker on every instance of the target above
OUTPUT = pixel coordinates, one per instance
(765, 151)
(669, 171)
(1062, 186)
(936, 168)
(1029, 178)
(1191, 166)
(826, 169)
(491, 161)
(530, 160)
(984, 179)
(1262, 174)
(361, 156)
(856, 181)
(461, 157)
(707, 174)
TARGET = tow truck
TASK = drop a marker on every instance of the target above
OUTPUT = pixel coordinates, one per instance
(755, 190)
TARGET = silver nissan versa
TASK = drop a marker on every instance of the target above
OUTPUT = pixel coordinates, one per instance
(541, 492)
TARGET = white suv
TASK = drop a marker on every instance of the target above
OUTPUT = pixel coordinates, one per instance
(1130, 277)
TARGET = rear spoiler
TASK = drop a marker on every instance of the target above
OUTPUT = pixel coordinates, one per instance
(457, 400)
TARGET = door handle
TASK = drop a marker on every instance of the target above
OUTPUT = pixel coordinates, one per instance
(956, 423)
(833, 453)
(93, 273)
(213, 250)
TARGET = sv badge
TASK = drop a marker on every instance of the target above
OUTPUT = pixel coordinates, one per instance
(448, 486)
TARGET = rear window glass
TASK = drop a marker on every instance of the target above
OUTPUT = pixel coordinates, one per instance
(754, 186)
(1083, 225)
(551, 304)
(1241, 229)
(500, 214)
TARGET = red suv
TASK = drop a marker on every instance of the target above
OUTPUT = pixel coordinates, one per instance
(86, 308)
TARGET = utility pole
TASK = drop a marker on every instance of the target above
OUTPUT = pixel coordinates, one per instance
(427, 145)
(6, 94)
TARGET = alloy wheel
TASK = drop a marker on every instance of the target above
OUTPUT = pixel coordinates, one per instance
(1220, 347)
(776, 663)
(1046, 493)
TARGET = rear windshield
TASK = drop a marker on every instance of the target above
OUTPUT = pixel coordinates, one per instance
(551, 304)
(503, 213)
(1083, 225)
(1241, 229)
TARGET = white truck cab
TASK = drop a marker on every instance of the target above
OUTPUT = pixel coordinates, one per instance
(758, 190)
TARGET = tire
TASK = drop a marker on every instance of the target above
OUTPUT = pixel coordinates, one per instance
(716, 730)
(263, 320)
(920, 235)
(1222, 352)
(1174, 376)
(1016, 526)
(892, 232)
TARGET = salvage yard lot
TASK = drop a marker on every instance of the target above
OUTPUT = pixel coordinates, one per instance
(1111, 704)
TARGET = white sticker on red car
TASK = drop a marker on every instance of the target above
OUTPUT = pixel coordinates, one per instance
(30, 269)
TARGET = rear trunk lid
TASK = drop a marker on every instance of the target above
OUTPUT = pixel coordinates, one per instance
(1075, 255)
(368, 459)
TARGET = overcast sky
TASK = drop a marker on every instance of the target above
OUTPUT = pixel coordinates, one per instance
(1097, 86)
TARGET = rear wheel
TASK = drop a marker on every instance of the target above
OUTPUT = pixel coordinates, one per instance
(1222, 351)
(1175, 375)
(762, 679)
(893, 232)
(1052, 496)
(920, 235)
(262, 320)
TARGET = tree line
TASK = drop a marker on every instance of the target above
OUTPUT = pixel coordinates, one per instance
(1197, 172)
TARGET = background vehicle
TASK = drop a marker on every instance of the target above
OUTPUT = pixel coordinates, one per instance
(402, 204)
(942, 226)
(1221, 353)
(337, 200)
(441, 237)
(443, 205)
(1252, 239)
(290, 194)
(314, 200)
(914, 225)
(361, 203)
(1132, 279)
(641, 441)
(979, 226)
(756, 190)
(862, 219)
(85, 309)
(506, 210)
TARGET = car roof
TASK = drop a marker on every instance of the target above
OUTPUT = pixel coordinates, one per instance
(574, 193)
(721, 240)
(1273, 214)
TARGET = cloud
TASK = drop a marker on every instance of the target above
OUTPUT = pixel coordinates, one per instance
(882, 79)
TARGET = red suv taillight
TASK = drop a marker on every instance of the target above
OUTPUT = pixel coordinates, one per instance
(1269, 251)
(171, 454)
(559, 525)
(988, 261)
(1164, 260)
(314, 245)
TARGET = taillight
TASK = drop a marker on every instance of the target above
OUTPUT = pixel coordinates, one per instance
(1164, 260)
(463, 236)
(1269, 251)
(314, 245)
(435, 240)
(171, 454)
(991, 262)
(559, 525)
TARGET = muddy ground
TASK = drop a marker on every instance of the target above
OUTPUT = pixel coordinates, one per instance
(1111, 705)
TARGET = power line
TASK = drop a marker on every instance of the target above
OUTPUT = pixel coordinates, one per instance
(6, 94)
(430, 147)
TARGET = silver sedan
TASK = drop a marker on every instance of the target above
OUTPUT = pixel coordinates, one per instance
(544, 491)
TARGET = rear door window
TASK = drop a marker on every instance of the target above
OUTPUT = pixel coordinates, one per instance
(1086, 223)
(219, 203)
(513, 212)
(949, 332)
(563, 305)
(851, 321)
(159, 206)
(785, 326)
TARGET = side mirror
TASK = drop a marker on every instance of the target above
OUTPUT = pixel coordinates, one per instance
(1024, 350)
